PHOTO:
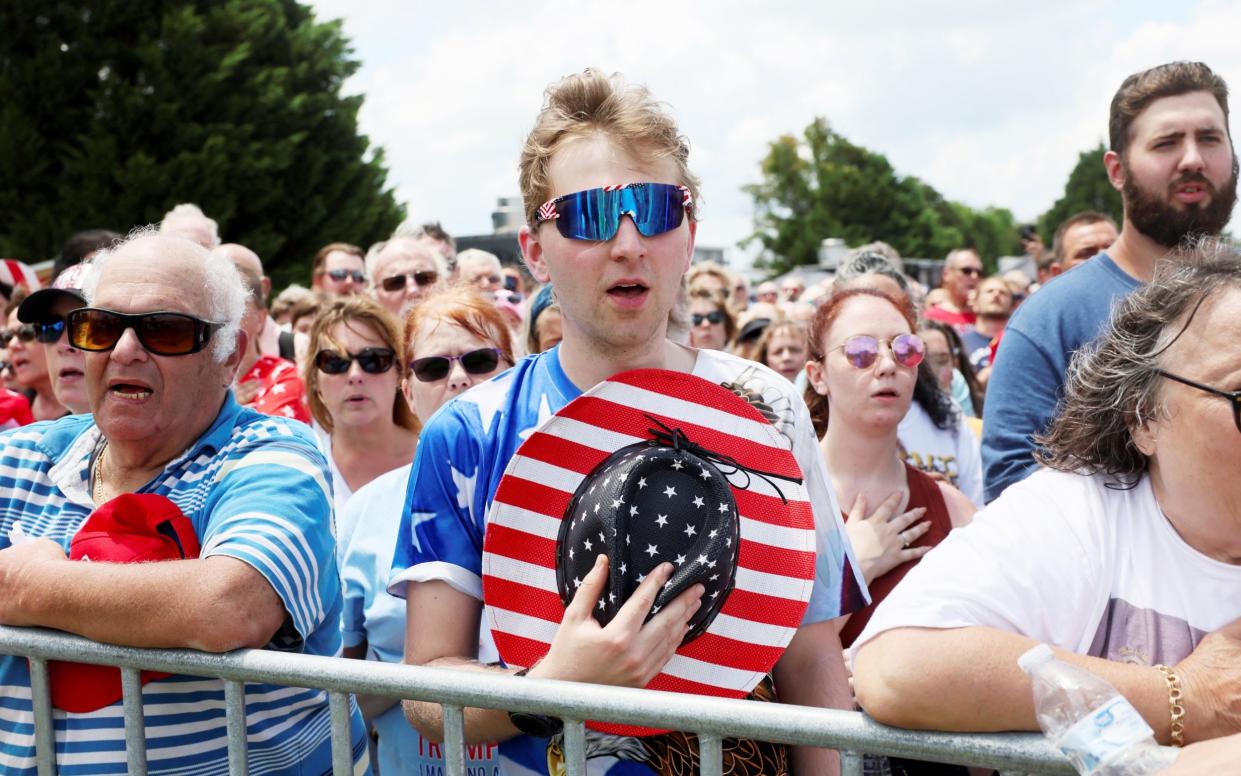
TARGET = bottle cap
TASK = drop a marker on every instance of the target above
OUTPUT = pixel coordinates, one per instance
(1035, 657)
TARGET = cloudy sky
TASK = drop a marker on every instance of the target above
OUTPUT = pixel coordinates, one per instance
(989, 102)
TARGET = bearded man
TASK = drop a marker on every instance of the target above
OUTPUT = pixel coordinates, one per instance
(1172, 160)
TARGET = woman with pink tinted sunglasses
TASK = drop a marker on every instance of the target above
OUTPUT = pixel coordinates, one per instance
(863, 371)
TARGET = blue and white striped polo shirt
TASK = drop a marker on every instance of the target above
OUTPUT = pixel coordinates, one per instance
(255, 488)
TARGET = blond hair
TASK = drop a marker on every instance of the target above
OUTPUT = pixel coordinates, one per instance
(590, 103)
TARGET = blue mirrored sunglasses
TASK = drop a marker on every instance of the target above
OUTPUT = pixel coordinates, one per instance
(49, 331)
(595, 214)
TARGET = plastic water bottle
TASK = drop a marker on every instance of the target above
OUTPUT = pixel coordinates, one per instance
(1087, 719)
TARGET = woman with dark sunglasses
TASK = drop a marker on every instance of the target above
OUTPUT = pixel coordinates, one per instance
(442, 333)
(456, 340)
(353, 385)
(30, 364)
(712, 325)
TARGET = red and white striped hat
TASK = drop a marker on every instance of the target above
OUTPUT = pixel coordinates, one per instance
(776, 560)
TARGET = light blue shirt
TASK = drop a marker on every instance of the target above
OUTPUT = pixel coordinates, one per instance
(256, 489)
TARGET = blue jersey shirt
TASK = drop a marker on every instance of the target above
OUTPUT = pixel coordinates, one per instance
(462, 454)
(255, 488)
(1027, 377)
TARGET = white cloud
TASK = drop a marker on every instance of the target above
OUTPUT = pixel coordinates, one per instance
(989, 103)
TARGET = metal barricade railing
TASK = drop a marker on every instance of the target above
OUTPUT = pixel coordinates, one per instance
(711, 719)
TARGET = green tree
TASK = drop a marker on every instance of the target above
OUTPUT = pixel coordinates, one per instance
(115, 110)
(1088, 188)
(821, 185)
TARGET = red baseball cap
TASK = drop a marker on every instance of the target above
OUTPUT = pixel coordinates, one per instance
(131, 528)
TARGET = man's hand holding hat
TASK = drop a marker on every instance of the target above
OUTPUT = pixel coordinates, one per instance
(626, 652)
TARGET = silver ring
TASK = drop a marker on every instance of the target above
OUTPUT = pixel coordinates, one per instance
(904, 540)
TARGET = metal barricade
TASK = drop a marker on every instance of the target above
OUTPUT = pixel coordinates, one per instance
(712, 719)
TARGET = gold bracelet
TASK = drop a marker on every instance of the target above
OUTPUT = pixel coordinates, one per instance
(1175, 708)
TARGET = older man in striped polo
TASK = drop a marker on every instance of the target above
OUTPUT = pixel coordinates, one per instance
(163, 343)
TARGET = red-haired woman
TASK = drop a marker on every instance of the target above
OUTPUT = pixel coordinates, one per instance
(862, 376)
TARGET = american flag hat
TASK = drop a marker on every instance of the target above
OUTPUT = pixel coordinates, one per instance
(654, 466)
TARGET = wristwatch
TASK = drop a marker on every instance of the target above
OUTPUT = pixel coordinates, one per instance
(537, 725)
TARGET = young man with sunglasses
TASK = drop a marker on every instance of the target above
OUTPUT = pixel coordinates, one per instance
(962, 273)
(403, 272)
(611, 209)
(339, 269)
(162, 343)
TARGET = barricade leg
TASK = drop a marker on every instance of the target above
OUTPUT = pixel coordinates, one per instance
(342, 738)
(850, 763)
(235, 722)
(575, 747)
(454, 740)
(44, 724)
(135, 722)
(710, 755)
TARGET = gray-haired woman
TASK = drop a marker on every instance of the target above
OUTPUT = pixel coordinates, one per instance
(1124, 553)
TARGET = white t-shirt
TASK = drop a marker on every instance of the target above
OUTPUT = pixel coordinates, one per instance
(954, 452)
(1063, 559)
(341, 492)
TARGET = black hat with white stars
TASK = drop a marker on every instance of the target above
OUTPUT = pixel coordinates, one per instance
(647, 504)
(653, 466)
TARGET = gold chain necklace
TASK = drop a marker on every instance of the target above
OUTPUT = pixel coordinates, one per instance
(98, 472)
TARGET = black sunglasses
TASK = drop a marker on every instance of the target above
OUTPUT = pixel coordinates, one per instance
(430, 369)
(340, 275)
(49, 331)
(374, 361)
(161, 333)
(715, 316)
(25, 332)
(973, 272)
(1232, 396)
(397, 282)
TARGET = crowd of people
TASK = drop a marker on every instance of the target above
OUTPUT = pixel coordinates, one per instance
(996, 462)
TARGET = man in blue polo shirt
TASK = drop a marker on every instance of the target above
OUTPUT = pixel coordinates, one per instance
(1172, 160)
(163, 343)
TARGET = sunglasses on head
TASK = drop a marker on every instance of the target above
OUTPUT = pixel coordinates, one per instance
(430, 369)
(161, 333)
(340, 275)
(715, 316)
(862, 350)
(397, 282)
(373, 361)
(595, 214)
(25, 332)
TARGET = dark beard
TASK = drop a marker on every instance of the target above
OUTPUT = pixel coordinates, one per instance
(1168, 225)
